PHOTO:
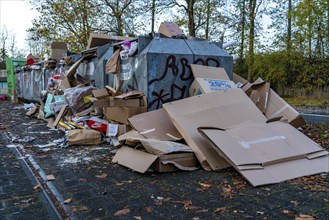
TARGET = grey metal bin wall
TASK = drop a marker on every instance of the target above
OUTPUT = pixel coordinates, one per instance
(94, 69)
(162, 68)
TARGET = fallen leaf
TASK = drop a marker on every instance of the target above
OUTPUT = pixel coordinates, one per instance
(304, 217)
(122, 212)
(227, 191)
(326, 200)
(50, 177)
(119, 184)
(286, 211)
(83, 208)
(67, 201)
(202, 211)
(221, 209)
(149, 209)
(204, 185)
(138, 217)
(37, 187)
(82, 180)
(103, 176)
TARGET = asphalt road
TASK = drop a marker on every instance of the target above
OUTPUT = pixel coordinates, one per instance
(90, 186)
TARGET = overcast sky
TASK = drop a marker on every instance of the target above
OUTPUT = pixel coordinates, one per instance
(17, 16)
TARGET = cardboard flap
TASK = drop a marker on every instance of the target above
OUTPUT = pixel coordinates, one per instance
(130, 95)
(100, 93)
(134, 159)
(259, 94)
(155, 124)
(200, 71)
(268, 153)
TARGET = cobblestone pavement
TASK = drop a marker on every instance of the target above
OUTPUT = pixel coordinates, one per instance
(88, 185)
(18, 198)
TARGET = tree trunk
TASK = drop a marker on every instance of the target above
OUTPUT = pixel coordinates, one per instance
(190, 12)
(153, 16)
(243, 22)
(207, 21)
(252, 15)
(289, 28)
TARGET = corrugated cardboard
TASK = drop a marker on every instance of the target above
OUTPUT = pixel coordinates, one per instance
(259, 95)
(244, 84)
(141, 161)
(121, 114)
(200, 71)
(218, 109)
(100, 93)
(96, 40)
(58, 50)
(171, 162)
(277, 107)
(209, 79)
(60, 115)
(169, 29)
(113, 102)
(155, 124)
(268, 152)
(134, 159)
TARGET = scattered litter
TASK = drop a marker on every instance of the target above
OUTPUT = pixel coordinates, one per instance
(45, 145)
(50, 177)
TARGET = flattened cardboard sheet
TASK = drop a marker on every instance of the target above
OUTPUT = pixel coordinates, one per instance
(265, 152)
(217, 109)
(134, 159)
(155, 124)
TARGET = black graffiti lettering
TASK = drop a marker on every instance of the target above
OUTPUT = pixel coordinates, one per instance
(211, 61)
(170, 64)
(199, 61)
(185, 66)
(159, 100)
(175, 88)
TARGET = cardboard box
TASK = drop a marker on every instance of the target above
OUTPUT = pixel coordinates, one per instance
(266, 153)
(209, 79)
(156, 125)
(169, 29)
(141, 161)
(243, 83)
(98, 124)
(58, 50)
(218, 109)
(121, 114)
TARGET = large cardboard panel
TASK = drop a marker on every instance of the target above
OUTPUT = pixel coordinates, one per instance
(155, 124)
(259, 150)
(217, 109)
